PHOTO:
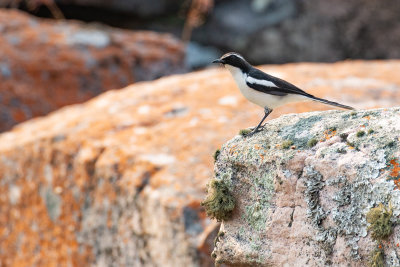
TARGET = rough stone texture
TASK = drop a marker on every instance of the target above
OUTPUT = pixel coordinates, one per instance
(315, 30)
(307, 206)
(45, 65)
(119, 180)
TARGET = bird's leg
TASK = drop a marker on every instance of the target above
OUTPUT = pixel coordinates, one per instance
(267, 112)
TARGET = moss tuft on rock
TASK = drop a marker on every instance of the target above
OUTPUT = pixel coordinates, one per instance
(219, 202)
(312, 142)
(379, 218)
(377, 258)
(360, 133)
(244, 132)
(391, 144)
(216, 154)
(287, 144)
(343, 136)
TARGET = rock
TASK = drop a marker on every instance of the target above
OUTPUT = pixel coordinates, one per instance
(290, 30)
(45, 65)
(335, 203)
(119, 180)
(264, 31)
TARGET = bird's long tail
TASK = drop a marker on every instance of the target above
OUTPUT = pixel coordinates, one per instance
(330, 103)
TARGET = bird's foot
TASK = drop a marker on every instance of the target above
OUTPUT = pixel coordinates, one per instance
(248, 132)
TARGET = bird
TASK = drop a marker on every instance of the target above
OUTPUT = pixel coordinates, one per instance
(263, 89)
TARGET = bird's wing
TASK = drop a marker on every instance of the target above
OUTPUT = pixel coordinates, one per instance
(268, 84)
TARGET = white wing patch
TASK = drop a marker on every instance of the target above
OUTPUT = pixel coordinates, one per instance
(260, 82)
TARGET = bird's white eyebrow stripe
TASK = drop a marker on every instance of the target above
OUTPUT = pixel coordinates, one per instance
(260, 82)
(232, 54)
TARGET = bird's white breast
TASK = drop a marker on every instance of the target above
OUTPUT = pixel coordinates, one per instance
(257, 97)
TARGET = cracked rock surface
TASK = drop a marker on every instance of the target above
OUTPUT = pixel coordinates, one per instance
(306, 205)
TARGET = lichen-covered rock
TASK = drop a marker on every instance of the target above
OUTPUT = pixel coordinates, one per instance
(334, 203)
(45, 65)
(118, 181)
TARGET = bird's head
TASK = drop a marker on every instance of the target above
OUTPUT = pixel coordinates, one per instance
(233, 60)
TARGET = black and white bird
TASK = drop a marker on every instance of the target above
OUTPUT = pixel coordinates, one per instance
(263, 89)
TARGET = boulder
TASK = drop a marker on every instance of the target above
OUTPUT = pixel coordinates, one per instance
(264, 31)
(45, 65)
(311, 189)
(119, 179)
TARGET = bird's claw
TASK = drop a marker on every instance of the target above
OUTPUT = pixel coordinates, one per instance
(254, 130)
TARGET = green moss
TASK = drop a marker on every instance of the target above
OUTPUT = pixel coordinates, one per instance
(216, 154)
(391, 144)
(344, 136)
(379, 218)
(377, 258)
(351, 144)
(312, 142)
(370, 131)
(360, 133)
(287, 144)
(244, 132)
(219, 202)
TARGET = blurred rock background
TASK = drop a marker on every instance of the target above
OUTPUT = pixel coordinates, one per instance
(47, 64)
(68, 62)
(118, 180)
(264, 31)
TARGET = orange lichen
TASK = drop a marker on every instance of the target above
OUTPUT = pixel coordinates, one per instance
(397, 184)
(232, 150)
(394, 173)
(19, 115)
(257, 146)
(328, 134)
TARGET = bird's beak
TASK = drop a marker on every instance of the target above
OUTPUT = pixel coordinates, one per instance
(218, 61)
